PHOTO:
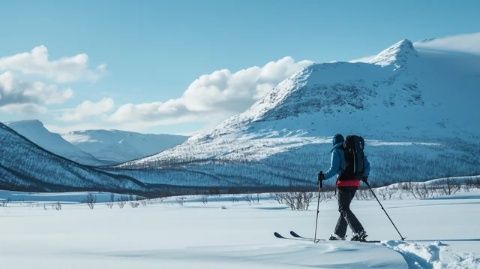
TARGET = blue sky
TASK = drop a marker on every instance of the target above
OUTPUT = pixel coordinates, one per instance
(154, 50)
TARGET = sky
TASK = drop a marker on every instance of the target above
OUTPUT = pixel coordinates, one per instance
(183, 66)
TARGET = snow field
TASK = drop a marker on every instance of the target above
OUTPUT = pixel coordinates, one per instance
(226, 234)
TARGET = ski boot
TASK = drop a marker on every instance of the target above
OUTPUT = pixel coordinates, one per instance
(336, 237)
(361, 237)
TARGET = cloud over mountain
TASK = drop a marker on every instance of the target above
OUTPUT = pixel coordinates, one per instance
(89, 109)
(218, 94)
(466, 43)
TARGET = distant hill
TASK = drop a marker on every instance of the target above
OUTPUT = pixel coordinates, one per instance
(24, 166)
(38, 134)
(115, 146)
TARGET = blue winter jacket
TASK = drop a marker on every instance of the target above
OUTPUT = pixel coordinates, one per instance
(337, 163)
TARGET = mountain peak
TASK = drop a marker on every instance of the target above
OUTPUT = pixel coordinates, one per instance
(35, 131)
(398, 54)
(30, 123)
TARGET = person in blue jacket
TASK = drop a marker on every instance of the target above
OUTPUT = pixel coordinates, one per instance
(346, 185)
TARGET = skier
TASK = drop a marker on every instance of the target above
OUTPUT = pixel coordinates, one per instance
(347, 184)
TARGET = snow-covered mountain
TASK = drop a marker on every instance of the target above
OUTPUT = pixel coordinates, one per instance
(38, 134)
(415, 106)
(24, 166)
(116, 146)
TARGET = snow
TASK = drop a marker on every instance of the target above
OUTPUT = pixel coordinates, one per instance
(115, 146)
(28, 167)
(412, 102)
(433, 255)
(413, 105)
(227, 234)
(398, 54)
(38, 134)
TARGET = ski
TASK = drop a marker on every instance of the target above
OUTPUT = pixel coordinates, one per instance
(366, 241)
(296, 235)
(279, 236)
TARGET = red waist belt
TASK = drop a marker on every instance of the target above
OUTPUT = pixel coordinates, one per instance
(348, 183)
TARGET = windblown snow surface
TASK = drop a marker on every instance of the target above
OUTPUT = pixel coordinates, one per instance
(415, 107)
(229, 232)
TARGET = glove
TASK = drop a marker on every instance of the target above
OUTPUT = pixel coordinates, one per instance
(365, 179)
(321, 176)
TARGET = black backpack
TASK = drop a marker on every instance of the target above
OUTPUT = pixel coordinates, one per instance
(354, 158)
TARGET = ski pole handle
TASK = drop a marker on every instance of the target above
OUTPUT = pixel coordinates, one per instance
(320, 179)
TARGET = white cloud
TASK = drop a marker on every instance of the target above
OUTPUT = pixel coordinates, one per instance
(213, 96)
(89, 109)
(66, 69)
(27, 97)
(237, 91)
(150, 111)
(46, 94)
(468, 43)
(28, 80)
(25, 109)
(209, 99)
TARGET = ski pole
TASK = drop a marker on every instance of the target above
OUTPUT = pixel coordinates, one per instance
(401, 236)
(318, 205)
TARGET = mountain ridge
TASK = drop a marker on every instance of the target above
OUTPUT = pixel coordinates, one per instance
(25, 166)
(402, 98)
(117, 146)
(38, 134)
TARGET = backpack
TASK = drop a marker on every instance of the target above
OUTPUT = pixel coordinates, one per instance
(354, 158)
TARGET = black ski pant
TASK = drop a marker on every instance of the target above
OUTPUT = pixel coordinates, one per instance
(345, 196)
